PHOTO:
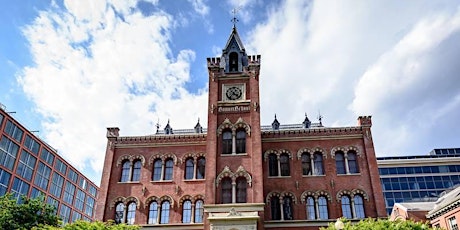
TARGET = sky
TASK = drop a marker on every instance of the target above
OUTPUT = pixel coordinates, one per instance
(70, 69)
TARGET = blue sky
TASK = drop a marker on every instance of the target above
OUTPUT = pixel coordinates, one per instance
(72, 68)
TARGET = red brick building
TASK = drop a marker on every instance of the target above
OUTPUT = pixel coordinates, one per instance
(237, 174)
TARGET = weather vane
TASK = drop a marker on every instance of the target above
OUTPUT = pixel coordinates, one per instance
(234, 19)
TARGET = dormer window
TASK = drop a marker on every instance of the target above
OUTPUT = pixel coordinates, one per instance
(233, 65)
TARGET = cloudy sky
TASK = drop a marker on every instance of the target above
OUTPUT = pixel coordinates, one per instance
(72, 68)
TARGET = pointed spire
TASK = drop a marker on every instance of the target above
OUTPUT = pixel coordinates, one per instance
(158, 125)
(168, 129)
(306, 123)
(275, 124)
(320, 117)
(198, 128)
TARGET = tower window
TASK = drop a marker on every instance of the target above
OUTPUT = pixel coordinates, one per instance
(226, 190)
(241, 141)
(241, 190)
(233, 65)
(227, 142)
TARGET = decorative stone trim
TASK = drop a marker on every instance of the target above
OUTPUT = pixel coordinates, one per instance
(268, 152)
(195, 156)
(240, 124)
(345, 150)
(227, 124)
(150, 200)
(277, 153)
(163, 157)
(138, 157)
(240, 172)
(270, 195)
(291, 194)
(351, 194)
(361, 192)
(199, 197)
(123, 158)
(184, 198)
(311, 152)
(315, 195)
(168, 198)
(132, 199)
(117, 200)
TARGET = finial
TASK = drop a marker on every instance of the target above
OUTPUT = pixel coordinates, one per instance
(275, 116)
(158, 124)
(234, 19)
(320, 117)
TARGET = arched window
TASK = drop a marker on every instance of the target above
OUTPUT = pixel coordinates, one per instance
(137, 170)
(311, 213)
(287, 208)
(226, 190)
(189, 167)
(306, 164)
(168, 169)
(272, 165)
(120, 213)
(164, 217)
(241, 141)
(153, 213)
(126, 167)
(318, 164)
(157, 165)
(131, 215)
(233, 62)
(241, 190)
(201, 168)
(187, 211)
(275, 208)
(340, 163)
(199, 211)
(352, 162)
(346, 207)
(359, 206)
(322, 208)
(284, 165)
(227, 142)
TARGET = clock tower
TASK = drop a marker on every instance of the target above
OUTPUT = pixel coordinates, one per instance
(234, 194)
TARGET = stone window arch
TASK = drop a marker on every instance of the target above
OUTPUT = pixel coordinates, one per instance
(353, 203)
(346, 159)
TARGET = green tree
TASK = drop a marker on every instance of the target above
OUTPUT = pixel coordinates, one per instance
(84, 225)
(382, 224)
(27, 214)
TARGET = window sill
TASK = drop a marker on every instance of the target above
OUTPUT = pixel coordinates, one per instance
(309, 176)
(194, 180)
(161, 181)
(129, 182)
(274, 177)
(350, 174)
(233, 155)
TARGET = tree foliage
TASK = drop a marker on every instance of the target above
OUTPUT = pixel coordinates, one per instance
(382, 224)
(27, 214)
(84, 225)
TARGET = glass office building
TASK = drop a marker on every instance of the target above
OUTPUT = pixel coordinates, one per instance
(30, 167)
(418, 178)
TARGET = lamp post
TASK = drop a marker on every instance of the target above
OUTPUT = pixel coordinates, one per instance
(339, 224)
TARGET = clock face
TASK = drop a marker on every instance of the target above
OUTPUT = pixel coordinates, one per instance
(234, 93)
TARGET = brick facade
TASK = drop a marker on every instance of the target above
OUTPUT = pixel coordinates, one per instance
(254, 170)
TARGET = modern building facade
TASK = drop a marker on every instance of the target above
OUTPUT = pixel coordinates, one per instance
(418, 178)
(30, 167)
(237, 174)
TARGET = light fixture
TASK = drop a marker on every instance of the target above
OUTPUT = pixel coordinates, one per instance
(339, 224)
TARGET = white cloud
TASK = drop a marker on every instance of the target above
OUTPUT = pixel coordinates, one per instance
(102, 66)
(200, 7)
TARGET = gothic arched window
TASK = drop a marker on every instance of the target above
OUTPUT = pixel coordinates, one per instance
(227, 142)
(346, 207)
(275, 208)
(199, 211)
(226, 190)
(189, 167)
(288, 208)
(201, 168)
(284, 165)
(126, 167)
(352, 162)
(340, 163)
(272, 165)
(233, 62)
(120, 213)
(168, 169)
(131, 214)
(157, 168)
(306, 164)
(241, 190)
(137, 170)
(311, 213)
(153, 213)
(322, 208)
(241, 141)
(164, 217)
(359, 206)
(318, 164)
(187, 211)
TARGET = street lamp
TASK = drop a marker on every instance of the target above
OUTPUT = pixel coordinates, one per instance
(339, 224)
